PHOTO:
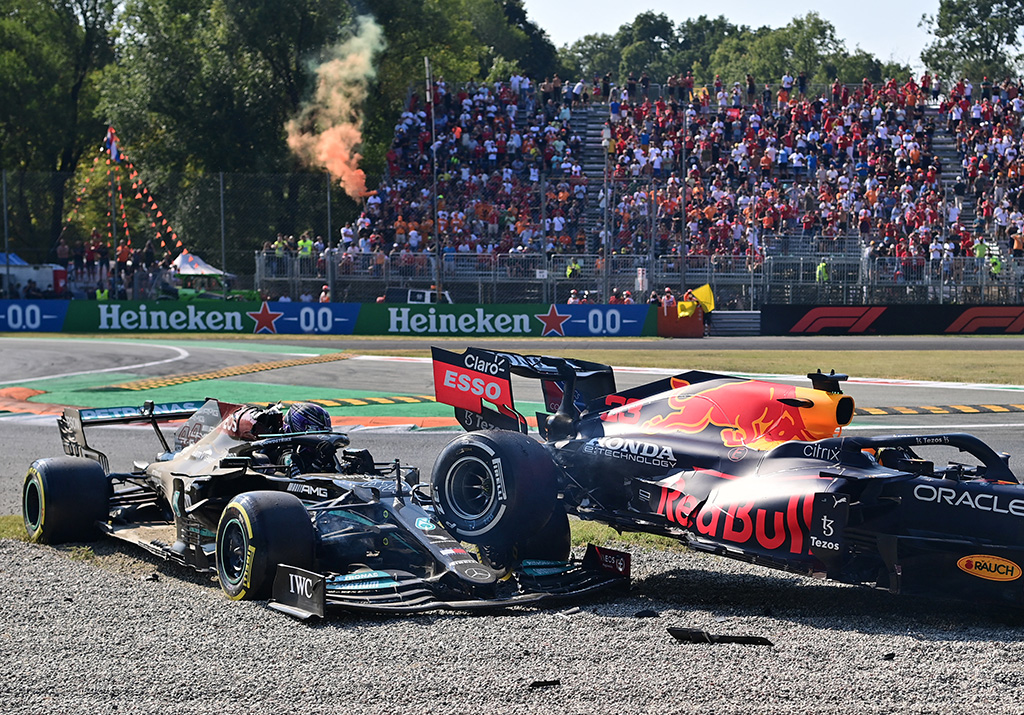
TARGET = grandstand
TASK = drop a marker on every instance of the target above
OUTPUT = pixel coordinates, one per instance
(538, 193)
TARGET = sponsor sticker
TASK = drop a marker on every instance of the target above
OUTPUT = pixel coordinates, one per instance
(990, 568)
(466, 380)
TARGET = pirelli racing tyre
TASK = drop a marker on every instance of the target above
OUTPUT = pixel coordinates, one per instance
(552, 543)
(62, 498)
(494, 487)
(257, 531)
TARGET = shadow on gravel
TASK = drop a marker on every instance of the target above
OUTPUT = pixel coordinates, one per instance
(723, 594)
(827, 604)
(114, 555)
(125, 559)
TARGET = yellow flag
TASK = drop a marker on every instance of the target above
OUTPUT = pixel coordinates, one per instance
(706, 297)
(687, 308)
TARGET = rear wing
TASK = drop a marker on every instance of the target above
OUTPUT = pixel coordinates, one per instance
(480, 376)
(73, 422)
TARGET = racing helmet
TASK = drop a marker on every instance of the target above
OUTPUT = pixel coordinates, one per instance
(250, 422)
(306, 417)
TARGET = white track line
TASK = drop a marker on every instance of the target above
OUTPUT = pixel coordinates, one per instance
(181, 355)
(944, 427)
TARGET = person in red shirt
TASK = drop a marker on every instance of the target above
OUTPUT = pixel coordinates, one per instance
(124, 254)
(92, 249)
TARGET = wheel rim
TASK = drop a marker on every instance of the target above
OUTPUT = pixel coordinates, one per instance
(233, 552)
(471, 488)
(32, 508)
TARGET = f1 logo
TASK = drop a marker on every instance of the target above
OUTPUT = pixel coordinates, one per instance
(1011, 319)
(856, 319)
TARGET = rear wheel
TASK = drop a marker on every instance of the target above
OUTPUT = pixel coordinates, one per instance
(257, 531)
(62, 498)
(494, 488)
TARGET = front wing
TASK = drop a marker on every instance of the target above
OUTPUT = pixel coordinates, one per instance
(304, 594)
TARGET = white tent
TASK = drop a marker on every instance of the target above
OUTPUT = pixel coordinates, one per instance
(189, 264)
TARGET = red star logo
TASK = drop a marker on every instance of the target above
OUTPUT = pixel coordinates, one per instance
(265, 319)
(552, 322)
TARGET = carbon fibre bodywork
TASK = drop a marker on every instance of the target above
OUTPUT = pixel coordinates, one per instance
(376, 543)
(760, 471)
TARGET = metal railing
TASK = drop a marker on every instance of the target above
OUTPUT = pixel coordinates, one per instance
(739, 282)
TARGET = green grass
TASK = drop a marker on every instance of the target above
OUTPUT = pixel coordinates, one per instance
(1002, 367)
(13, 527)
(82, 553)
(988, 366)
(590, 532)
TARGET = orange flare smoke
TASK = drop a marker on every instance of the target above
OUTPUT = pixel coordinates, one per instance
(328, 130)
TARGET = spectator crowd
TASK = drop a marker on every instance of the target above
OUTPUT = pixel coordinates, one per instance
(717, 170)
(713, 170)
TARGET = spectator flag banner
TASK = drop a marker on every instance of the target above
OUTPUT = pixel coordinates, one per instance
(110, 144)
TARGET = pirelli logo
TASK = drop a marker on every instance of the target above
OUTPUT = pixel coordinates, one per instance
(982, 317)
(855, 319)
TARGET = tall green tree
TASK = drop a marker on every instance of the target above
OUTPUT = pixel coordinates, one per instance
(50, 51)
(974, 38)
(807, 44)
(541, 56)
(50, 55)
(591, 56)
(699, 38)
(648, 44)
(207, 85)
(651, 43)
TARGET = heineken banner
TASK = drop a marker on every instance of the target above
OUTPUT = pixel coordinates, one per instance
(512, 319)
(200, 316)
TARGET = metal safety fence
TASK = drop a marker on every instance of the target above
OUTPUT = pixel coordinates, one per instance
(739, 282)
(512, 234)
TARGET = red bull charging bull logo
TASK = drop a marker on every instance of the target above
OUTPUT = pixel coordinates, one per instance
(750, 413)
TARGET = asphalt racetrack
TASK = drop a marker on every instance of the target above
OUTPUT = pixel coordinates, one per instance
(117, 630)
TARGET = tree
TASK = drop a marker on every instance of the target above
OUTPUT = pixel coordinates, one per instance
(648, 44)
(50, 54)
(188, 95)
(287, 36)
(501, 70)
(541, 57)
(811, 40)
(974, 38)
(206, 86)
(591, 56)
(807, 44)
(859, 64)
(699, 38)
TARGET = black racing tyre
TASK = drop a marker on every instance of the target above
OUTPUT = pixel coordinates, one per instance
(62, 498)
(552, 543)
(493, 487)
(257, 531)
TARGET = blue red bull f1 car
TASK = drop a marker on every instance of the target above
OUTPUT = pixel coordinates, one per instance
(748, 469)
(231, 495)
